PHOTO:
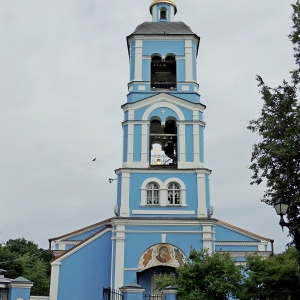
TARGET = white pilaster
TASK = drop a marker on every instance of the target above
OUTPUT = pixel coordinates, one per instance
(144, 143)
(207, 238)
(196, 143)
(54, 280)
(138, 60)
(130, 140)
(188, 60)
(182, 143)
(119, 263)
(124, 209)
(201, 193)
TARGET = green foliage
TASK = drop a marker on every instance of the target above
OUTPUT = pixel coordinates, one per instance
(274, 278)
(23, 258)
(218, 277)
(276, 159)
(205, 277)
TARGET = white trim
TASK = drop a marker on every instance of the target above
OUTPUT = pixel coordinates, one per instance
(144, 157)
(185, 88)
(156, 105)
(166, 231)
(188, 60)
(130, 140)
(119, 263)
(182, 189)
(182, 146)
(196, 139)
(163, 212)
(241, 244)
(124, 209)
(207, 238)
(164, 171)
(138, 60)
(54, 280)
(144, 190)
(163, 191)
(201, 191)
(135, 164)
(190, 165)
(141, 87)
(165, 222)
(163, 238)
(164, 98)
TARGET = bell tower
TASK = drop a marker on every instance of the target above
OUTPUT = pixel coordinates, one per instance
(163, 184)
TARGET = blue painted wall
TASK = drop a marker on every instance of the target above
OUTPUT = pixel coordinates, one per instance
(80, 271)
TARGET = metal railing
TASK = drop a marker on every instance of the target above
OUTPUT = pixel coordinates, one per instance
(154, 296)
(112, 294)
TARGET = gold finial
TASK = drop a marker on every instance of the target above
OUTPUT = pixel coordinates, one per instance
(172, 2)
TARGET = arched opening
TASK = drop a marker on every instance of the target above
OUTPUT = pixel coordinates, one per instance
(163, 13)
(146, 278)
(163, 73)
(163, 144)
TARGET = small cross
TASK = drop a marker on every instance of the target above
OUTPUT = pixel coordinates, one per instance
(163, 111)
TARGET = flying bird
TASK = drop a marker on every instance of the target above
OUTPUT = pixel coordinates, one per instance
(94, 159)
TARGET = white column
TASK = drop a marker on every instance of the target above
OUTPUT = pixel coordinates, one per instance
(54, 280)
(188, 60)
(196, 143)
(182, 143)
(119, 263)
(207, 238)
(201, 193)
(138, 60)
(124, 209)
(130, 140)
(144, 143)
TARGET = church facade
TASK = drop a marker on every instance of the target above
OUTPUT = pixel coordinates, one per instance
(163, 204)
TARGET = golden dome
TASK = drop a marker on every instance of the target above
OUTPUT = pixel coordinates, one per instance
(172, 2)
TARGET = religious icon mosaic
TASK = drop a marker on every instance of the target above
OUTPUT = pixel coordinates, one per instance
(162, 254)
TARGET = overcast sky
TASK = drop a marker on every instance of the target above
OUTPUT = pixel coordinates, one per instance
(64, 71)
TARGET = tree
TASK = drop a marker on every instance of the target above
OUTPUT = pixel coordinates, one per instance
(205, 277)
(276, 159)
(20, 257)
(274, 278)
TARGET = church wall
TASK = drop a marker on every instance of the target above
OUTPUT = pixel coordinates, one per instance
(132, 60)
(125, 142)
(180, 66)
(201, 143)
(189, 144)
(86, 271)
(236, 248)
(137, 140)
(85, 235)
(146, 64)
(188, 96)
(165, 47)
(225, 234)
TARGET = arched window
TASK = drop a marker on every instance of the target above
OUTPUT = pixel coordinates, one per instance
(163, 143)
(163, 72)
(174, 194)
(163, 14)
(152, 189)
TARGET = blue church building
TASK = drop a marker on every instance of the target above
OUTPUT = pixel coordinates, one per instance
(163, 203)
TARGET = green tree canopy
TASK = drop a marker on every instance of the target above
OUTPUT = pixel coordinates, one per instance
(205, 277)
(274, 278)
(20, 257)
(276, 158)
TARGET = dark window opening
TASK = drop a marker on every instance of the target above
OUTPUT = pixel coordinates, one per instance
(163, 73)
(163, 14)
(163, 144)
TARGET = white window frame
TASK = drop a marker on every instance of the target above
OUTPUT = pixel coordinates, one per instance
(163, 192)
